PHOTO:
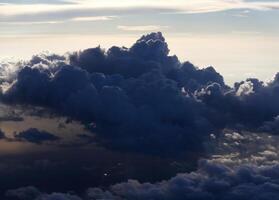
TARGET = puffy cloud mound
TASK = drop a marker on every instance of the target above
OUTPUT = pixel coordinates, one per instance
(149, 52)
(133, 95)
(34, 135)
(141, 98)
(251, 104)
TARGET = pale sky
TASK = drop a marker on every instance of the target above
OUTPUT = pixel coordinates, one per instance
(238, 37)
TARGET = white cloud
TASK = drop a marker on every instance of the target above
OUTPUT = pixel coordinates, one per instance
(31, 22)
(95, 18)
(142, 28)
(189, 6)
(75, 19)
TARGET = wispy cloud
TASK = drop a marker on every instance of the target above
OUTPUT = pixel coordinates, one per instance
(36, 2)
(142, 28)
(31, 22)
(94, 18)
(189, 6)
(74, 19)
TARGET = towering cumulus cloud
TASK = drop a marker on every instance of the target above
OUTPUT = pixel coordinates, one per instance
(141, 98)
(133, 95)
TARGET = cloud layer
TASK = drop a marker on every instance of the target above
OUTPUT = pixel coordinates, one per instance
(212, 181)
(191, 6)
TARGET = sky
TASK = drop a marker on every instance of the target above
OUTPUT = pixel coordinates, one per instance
(95, 104)
(237, 37)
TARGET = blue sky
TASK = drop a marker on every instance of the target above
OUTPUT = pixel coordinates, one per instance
(237, 37)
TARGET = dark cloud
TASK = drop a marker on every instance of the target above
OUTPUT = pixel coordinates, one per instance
(191, 78)
(35, 136)
(11, 118)
(2, 135)
(251, 104)
(24, 193)
(211, 181)
(149, 52)
(32, 193)
(271, 126)
(143, 99)
(133, 95)
(58, 196)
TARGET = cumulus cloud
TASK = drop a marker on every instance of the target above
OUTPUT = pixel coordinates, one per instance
(141, 98)
(249, 104)
(133, 95)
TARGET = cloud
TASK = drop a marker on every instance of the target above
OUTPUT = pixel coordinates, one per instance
(133, 94)
(35, 136)
(25, 193)
(271, 126)
(32, 193)
(211, 181)
(59, 196)
(142, 28)
(35, 1)
(45, 22)
(31, 22)
(2, 135)
(191, 6)
(143, 99)
(95, 18)
(248, 105)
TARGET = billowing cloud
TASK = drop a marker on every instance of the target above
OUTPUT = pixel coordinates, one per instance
(141, 98)
(250, 104)
(133, 95)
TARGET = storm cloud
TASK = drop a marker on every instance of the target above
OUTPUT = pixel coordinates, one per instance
(133, 95)
(143, 99)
